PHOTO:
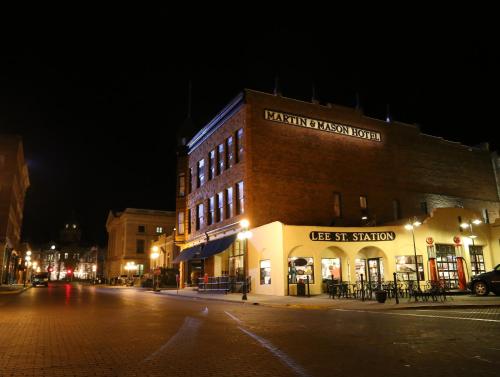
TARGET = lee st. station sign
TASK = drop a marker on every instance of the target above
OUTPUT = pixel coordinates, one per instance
(352, 236)
(323, 125)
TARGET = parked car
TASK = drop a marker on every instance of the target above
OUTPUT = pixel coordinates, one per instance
(40, 279)
(486, 282)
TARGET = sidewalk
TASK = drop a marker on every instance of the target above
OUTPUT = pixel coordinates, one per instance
(323, 302)
(12, 289)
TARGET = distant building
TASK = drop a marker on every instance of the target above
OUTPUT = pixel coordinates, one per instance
(14, 181)
(131, 234)
(328, 189)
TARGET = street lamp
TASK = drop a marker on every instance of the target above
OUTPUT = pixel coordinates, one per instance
(468, 224)
(412, 224)
(243, 236)
(154, 256)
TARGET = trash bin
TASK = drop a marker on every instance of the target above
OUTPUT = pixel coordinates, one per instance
(301, 288)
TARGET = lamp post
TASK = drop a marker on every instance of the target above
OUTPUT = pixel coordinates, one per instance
(243, 236)
(154, 256)
(412, 224)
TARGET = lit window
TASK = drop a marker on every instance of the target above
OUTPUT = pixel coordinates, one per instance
(240, 203)
(229, 152)
(229, 202)
(211, 165)
(265, 272)
(239, 145)
(211, 211)
(65, 255)
(405, 267)
(220, 159)
(159, 230)
(180, 223)
(363, 203)
(199, 216)
(220, 207)
(201, 173)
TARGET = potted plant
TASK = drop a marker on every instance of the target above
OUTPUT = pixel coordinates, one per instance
(380, 295)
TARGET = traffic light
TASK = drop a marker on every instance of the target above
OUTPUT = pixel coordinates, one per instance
(49, 269)
(69, 272)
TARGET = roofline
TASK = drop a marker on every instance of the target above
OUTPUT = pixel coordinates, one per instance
(228, 111)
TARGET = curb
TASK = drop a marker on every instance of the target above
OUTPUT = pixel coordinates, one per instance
(14, 291)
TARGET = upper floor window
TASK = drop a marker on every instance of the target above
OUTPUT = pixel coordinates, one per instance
(239, 145)
(182, 184)
(423, 208)
(220, 159)
(486, 217)
(229, 152)
(337, 209)
(363, 202)
(189, 220)
(229, 202)
(201, 173)
(180, 222)
(65, 255)
(141, 229)
(140, 246)
(200, 221)
(211, 164)
(211, 211)
(240, 203)
(159, 229)
(220, 207)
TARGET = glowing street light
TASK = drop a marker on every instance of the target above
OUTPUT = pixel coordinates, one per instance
(154, 256)
(411, 225)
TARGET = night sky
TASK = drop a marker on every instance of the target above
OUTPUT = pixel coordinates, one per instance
(98, 102)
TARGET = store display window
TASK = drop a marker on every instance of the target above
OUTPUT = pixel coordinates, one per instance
(299, 268)
(265, 272)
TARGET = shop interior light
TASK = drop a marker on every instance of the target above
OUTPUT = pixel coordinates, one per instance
(476, 222)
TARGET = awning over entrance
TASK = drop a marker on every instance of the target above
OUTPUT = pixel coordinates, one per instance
(217, 246)
(189, 253)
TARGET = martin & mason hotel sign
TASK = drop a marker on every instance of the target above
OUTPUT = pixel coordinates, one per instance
(352, 236)
(323, 125)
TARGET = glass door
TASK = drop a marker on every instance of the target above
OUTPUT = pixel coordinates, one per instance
(375, 272)
(446, 262)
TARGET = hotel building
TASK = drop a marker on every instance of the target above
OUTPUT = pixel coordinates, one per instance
(327, 191)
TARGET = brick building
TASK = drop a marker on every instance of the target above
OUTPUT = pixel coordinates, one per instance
(131, 234)
(268, 159)
(14, 181)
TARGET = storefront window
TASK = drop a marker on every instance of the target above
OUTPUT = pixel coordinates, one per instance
(405, 267)
(360, 268)
(330, 268)
(446, 262)
(299, 268)
(476, 259)
(265, 272)
(236, 261)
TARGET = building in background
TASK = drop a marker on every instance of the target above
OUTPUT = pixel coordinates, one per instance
(131, 234)
(302, 171)
(14, 181)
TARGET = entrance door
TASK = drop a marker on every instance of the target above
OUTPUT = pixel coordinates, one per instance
(360, 268)
(375, 271)
(447, 265)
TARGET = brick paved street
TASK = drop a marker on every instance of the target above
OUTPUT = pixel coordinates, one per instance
(77, 330)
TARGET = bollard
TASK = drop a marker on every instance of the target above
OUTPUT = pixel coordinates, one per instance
(395, 288)
(308, 292)
(362, 289)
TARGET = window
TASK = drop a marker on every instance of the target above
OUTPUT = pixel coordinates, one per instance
(189, 220)
(239, 145)
(182, 184)
(236, 256)
(423, 208)
(300, 268)
(200, 173)
(211, 211)
(229, 152)
(446, 262)
(486, 217)
(265, 272)
(405, 267)
(140, 246)
(330, 268)
(220, 159)
(229, 202)
(337, 209)
(65, 255)
(180, 223)
(476, 259)
(363, 202)
(220, 207)
(396, 209)
(141, 229)
(159, 230)
(199, 216)
(240, 203)
(190, 183)
(211, 165)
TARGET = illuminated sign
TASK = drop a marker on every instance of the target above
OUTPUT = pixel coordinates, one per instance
(352, 236)
(322, 125)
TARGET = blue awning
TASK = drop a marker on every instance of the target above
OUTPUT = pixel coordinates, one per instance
(217, 246)
(189, 253)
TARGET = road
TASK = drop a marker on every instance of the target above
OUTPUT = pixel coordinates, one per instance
(78, 330)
